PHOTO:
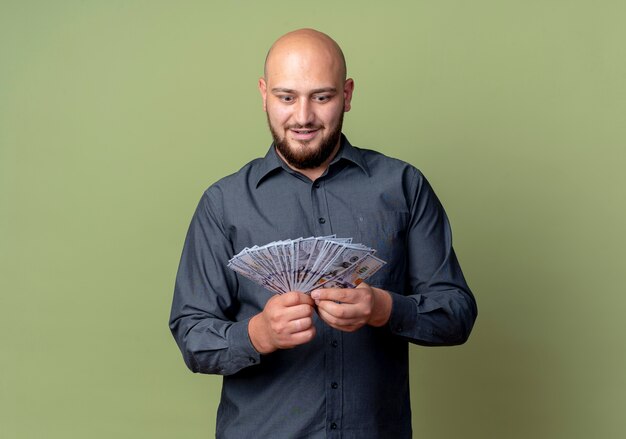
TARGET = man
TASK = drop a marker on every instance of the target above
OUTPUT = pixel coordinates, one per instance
(335, 363)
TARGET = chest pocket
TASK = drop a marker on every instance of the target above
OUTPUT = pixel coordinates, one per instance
(385, 231)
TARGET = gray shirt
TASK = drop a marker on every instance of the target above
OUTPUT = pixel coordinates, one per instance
(350, 385)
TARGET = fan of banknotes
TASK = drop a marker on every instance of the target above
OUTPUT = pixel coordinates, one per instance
(305, 264)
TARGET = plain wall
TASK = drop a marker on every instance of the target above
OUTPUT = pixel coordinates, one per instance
(116, 115)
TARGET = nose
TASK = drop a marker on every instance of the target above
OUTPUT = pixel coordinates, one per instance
(304, 113)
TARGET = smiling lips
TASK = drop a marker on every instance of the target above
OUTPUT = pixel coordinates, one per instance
(304, 134)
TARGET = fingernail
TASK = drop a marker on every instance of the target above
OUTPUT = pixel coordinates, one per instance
(315, 295)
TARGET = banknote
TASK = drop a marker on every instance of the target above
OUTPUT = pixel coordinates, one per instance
(304, 264)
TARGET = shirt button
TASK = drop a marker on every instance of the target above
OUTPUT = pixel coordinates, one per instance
(322, 220)
(316, 185)
(399, 328)
(333, 426)
(334, 385)
(252, 360)
(334, 343)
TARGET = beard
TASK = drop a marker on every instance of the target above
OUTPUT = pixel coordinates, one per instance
(301, 157)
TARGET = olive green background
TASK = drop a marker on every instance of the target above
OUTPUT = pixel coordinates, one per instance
(116, 115)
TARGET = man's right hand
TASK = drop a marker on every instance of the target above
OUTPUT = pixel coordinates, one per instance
(285, 322)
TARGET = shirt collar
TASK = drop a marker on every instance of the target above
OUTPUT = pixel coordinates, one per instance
(272, 161)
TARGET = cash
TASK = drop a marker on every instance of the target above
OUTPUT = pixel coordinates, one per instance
(305, 264)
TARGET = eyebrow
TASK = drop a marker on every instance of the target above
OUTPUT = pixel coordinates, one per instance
(317, 90)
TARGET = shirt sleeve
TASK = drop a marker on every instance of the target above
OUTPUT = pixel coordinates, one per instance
(203, 308)
(439, 309)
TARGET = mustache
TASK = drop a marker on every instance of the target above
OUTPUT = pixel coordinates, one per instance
(308, 126)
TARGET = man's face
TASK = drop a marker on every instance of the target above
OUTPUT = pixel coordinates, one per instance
(305, 96)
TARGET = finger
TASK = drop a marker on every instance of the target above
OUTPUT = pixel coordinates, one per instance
(287, 314)
(338, 316)
(280, 303)
(342, 311)
(302, 337)
(335, 294)
(340, 324)
(327, 317)
(293, 298)
(301, 325)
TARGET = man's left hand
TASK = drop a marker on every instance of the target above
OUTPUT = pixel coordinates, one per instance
(349, 309)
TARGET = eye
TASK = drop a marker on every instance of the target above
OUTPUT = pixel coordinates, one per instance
(286, 99)
(321, 98)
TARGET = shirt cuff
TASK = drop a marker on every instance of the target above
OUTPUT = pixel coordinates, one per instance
(403, 315)
(243, 353)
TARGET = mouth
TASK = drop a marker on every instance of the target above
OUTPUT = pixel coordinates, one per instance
(303, 134)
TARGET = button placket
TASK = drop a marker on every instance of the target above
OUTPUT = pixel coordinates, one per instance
(333, 380)
(333, 347)
(320, 208)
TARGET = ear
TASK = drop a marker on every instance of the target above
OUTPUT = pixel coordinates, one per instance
(263, 90)
(348, 88)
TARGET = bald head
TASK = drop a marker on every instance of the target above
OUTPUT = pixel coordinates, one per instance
(308, 44)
